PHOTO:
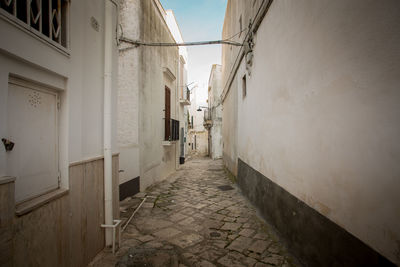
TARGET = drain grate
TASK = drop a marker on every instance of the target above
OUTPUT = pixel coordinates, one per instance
(215, 234)
(225, 187)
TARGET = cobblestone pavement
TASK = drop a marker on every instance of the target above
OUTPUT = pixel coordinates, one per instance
(187, 220)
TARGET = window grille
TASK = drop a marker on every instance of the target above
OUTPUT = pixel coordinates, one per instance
(171, 132)
(48, 17)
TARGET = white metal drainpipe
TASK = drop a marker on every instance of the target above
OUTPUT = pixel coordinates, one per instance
(108, 51)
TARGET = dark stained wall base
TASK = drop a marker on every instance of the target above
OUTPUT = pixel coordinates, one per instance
(311, 237)
(129, 188)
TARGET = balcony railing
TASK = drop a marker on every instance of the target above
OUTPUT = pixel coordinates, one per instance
(185, 99)
(187, 94)
(207, 119)
(171, 130)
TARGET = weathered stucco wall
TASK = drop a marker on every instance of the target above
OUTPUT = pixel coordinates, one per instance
(229, 130)
(128, 93)
(215, 107)
(321, 110)
(199, 139)
(158, 161)
(142, 94)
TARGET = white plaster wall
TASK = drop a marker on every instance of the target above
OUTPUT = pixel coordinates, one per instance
(181, 74)
(128, 93)
(229, 130)
(142, 94)
(321, 113)
(77, 74)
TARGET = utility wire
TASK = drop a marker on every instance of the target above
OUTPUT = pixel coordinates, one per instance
(138, 43)
(226, 41)
(234, 68)
(235, 34)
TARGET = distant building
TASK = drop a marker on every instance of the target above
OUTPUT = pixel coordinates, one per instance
(183, 90)
(58, 62)
(213, 115)
(198, 136)
(311, 108)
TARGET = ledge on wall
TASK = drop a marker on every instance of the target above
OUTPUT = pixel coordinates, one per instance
(169, 73)
(39, 201)
(168, 143)
(184, 102)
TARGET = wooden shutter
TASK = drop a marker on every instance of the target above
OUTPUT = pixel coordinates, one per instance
(167, 113)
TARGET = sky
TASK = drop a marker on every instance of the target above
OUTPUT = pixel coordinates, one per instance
(200, 20)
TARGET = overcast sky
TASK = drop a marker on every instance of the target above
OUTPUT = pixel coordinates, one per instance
(200, 20)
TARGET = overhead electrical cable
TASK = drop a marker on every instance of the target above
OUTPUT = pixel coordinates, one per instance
(253, 27)
(140, 43)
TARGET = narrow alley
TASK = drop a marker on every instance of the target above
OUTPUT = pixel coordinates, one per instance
(196, 217)
(199, 133)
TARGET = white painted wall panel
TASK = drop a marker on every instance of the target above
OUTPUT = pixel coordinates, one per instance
(32, 126)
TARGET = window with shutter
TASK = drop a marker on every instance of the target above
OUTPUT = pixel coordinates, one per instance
(167, 114)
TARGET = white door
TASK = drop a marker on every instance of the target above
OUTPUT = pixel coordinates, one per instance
(32, 126)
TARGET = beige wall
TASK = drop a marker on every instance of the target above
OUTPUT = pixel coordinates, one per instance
(215, 107)
(201, 148)
(321, 113)
(64, 232)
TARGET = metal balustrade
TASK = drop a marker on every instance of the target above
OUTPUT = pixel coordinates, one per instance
(171, 130)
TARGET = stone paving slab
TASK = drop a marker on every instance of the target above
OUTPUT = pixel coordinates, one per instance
(188, 221)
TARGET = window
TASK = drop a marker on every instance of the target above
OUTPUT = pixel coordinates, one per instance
(46, 17)
(167, 114)
(244, 87)
(171, 125)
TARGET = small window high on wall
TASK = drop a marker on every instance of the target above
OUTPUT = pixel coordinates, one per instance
(46, 18)
(244, 86)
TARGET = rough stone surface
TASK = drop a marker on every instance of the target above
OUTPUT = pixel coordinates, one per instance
(188, 221)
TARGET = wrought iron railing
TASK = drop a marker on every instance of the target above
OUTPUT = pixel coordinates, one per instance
(171, 130)
(187, 94)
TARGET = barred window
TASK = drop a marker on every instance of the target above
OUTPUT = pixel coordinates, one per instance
(48, 17)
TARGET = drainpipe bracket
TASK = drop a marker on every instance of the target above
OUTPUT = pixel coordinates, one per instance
(117, 224)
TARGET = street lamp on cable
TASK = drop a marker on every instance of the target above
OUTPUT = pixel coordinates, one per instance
(200, 108)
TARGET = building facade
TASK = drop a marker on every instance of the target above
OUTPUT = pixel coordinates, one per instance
(183, 90)
(58, 97)
(151, 82)
(198, 135)
(310, 124)
(213, 116)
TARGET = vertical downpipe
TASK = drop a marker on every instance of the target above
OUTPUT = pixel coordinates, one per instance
(108, 46)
